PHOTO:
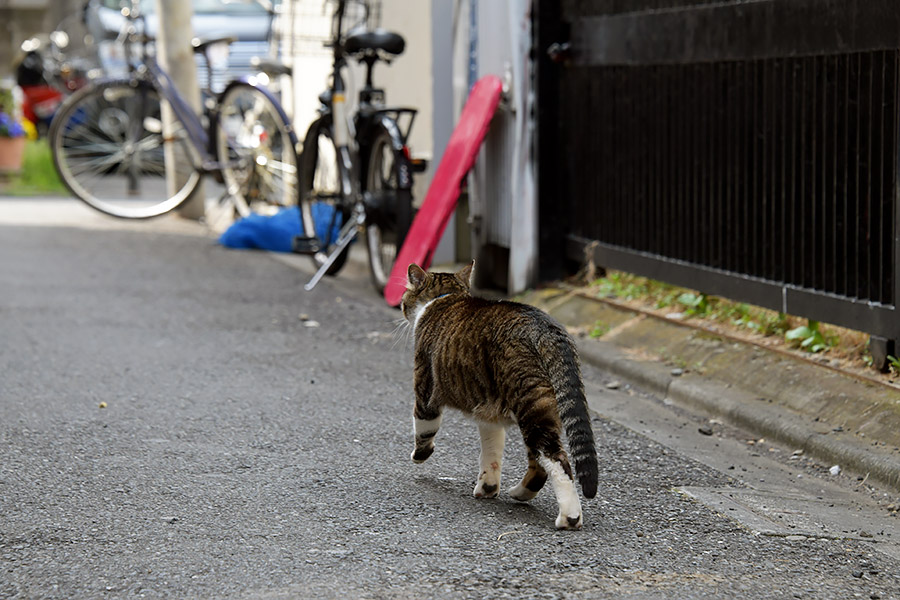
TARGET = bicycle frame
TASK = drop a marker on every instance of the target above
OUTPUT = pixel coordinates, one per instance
(352, 145)
(339, 120)
(341, 132)
(183, 112)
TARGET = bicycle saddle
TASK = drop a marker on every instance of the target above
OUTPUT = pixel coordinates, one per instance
(200, 44)
(374, 39)
(270, 66)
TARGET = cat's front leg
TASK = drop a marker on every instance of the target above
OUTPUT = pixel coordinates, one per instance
(427, 411)
(426, 428)
(493, 437)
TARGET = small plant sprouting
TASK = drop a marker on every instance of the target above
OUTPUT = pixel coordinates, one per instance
(599, 329)
(894, 364)
(696, 305)
(618, 285)
(667, 300)
(809, 338)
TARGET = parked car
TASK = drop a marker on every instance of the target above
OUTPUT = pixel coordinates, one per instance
(246, 20)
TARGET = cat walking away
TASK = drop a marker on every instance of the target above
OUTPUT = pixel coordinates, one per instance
(500, 363)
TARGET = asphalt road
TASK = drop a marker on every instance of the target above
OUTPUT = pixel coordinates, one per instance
(182, 420)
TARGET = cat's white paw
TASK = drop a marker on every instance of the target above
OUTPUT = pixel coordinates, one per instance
(421, 454)
(522, 493)
(566, 496)
(486, 489)
(569, 521)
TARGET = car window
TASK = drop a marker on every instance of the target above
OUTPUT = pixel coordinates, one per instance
(226, 7)
(232, 8)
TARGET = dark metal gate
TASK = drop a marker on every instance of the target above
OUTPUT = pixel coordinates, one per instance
(747, 149)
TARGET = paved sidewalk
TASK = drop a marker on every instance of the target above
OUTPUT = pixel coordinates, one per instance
(833, 416)
(45, 211)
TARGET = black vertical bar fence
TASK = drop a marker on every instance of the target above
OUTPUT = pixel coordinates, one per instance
(746, 149)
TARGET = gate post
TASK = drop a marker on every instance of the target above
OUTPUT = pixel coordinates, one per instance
(552, 187)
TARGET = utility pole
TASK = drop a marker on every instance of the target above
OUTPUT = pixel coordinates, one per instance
(173, 44)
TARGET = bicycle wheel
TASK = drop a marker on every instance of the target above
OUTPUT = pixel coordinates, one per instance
(388, 206)
(109, 149)
(322, 209)
(256, 150)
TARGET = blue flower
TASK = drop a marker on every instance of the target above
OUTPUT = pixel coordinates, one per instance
(10, 127)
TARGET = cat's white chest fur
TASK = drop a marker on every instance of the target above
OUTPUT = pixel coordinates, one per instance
(420, 310)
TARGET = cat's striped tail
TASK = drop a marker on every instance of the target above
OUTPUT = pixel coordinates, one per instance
(565, 376)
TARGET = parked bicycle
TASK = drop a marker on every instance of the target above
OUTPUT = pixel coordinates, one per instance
(113, 149)
(356, 171)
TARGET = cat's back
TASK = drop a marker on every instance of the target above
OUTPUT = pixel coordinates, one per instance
(481, 321)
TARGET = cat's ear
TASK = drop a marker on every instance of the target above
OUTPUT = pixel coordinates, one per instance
(465, 274)
(415, 276)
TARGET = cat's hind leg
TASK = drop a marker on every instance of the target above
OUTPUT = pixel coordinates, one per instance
(557, 466)
(542, 430)
(493, 436)
(534, 479)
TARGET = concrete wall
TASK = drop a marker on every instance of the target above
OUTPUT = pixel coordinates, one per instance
(408, 79)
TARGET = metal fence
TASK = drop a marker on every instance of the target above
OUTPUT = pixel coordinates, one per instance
(745, 149)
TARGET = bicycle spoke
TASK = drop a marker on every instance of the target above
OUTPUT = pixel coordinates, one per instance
(256, 154)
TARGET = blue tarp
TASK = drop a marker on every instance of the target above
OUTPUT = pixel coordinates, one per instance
(276, 232)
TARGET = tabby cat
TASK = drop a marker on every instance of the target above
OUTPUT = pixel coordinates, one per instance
(500, 363)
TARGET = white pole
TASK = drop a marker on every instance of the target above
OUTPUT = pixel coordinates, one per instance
(523, 236)
(286, 37)
(173, 44)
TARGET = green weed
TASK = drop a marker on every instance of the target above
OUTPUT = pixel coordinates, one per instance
(599, 329)
(618, 285)
(696, 305)
(894, 364)
(763, 322)
(809, 338)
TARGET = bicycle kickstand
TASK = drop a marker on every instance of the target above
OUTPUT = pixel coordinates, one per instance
(347, 234)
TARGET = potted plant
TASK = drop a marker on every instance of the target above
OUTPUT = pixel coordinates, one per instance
(12, 134)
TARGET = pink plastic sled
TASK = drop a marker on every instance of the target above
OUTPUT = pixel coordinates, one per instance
(440, 200)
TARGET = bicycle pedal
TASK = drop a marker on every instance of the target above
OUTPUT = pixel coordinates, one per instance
(305, 244)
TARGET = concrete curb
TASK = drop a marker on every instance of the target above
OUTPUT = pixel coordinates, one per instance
(742, 409)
